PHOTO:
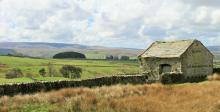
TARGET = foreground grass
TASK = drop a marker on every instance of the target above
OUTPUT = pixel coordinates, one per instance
(195, 97)
(91, 68)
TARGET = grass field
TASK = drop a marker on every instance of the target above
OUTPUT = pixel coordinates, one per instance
(91, 68)
(189, 97)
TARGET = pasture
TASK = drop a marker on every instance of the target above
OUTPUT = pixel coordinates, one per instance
(91, 68)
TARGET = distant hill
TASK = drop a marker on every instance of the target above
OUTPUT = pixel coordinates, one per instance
(216, 51)
(13, 45)
(39, 49)
(7, 51)
(47, 50)
(214, 48)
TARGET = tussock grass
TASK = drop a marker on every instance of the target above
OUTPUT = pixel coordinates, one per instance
(214, 77)
(195, 97)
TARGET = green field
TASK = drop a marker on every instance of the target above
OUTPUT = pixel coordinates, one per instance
(91, 68)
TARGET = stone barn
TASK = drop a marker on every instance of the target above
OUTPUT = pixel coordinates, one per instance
(188, 57)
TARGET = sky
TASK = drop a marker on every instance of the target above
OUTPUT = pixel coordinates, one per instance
(113, 23)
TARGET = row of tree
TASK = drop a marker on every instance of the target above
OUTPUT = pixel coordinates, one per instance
(67, 71)
(112, 57)
(77, 55)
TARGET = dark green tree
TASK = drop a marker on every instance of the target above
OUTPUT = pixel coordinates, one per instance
(14, 73)
(124, 58)
(42, 72)
(109, 57)
(51, 70)
(70, 71)
(64, 55)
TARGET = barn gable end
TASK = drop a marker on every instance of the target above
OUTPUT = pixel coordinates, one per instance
(197, 60)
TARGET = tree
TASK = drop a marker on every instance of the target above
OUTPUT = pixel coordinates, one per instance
(109, 57)
(42, 72)
(51, 70)
(70, 71)
(14, 73)
(115, 57)
(69, 55)
(124, 58)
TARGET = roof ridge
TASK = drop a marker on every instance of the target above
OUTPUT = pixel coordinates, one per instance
(160, 41)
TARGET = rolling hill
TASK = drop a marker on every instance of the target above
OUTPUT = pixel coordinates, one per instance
(47, 50)
(216, 51)
(7, 51)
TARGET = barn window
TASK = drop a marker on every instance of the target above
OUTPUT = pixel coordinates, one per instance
(165, 68)
(187, 77)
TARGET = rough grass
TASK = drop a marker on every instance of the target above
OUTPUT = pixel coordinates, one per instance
(214, 77)
(91, 68)
(195, 97)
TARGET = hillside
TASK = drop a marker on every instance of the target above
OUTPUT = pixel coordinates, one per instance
(37, 49)
(190, 97)
(6, 51)
(214, 48)
(47, 50)
(216, 51)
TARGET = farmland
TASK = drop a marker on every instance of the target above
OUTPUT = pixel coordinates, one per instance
(189, 97)
(91, 68)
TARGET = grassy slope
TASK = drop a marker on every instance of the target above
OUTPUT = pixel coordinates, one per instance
(91, 68)
(190, 97)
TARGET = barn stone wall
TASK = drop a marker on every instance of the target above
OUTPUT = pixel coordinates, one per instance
(152, 65)
(197, 61)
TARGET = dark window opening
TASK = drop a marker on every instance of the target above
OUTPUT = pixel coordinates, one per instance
(165, 68)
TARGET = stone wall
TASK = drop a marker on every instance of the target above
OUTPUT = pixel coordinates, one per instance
(25, 88)
(152, 65)
(197, 61)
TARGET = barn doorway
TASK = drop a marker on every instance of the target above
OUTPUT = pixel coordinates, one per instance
(165, 68)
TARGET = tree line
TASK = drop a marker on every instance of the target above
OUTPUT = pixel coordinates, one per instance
(67, 71)
(76, 55)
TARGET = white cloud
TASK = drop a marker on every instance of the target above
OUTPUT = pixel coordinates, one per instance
(118, 23)
(202, 15)
(170, 38)
(216, 17)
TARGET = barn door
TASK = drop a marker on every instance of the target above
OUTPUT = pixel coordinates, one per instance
(165, 68)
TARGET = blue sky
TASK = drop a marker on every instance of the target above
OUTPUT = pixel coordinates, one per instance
(115, 23)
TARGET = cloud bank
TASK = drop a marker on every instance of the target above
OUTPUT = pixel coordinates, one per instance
(116, 23)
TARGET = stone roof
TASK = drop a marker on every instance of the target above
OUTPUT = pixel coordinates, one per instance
(168, 49)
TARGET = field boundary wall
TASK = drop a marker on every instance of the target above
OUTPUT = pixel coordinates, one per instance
(28, 88)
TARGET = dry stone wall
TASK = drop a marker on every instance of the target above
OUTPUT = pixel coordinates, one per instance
(27, 88)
